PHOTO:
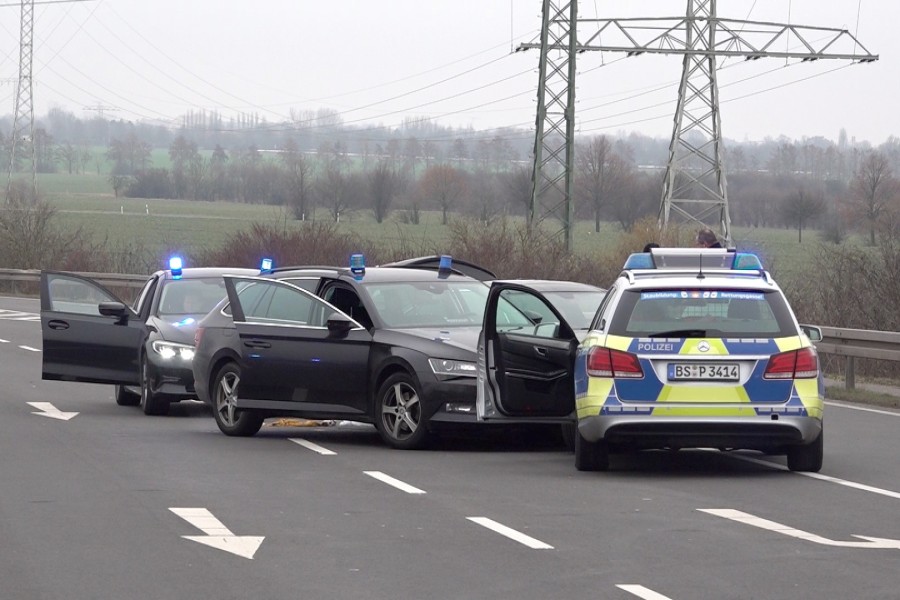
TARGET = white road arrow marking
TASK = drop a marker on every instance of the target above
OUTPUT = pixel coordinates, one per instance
(742, 517)
(46, 409)
(642, 592)
(217, 535)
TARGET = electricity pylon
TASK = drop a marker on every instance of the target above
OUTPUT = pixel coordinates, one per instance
(23, 122)
(695, 184)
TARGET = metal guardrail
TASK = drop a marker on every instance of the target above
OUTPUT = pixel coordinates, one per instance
(859, 343)
(105, 279)
(849, 343)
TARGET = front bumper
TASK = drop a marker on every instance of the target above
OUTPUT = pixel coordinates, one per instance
(450, 400)
(171, 377)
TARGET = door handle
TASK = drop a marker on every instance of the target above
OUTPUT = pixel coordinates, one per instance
(257, 344)
(57, 324)
(540, 351)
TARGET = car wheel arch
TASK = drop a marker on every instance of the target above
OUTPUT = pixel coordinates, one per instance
(216, 365)
(392, 367)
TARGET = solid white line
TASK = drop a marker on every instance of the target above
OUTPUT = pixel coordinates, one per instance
(850, 484)
(313, 447)
(512, 534)
(405, 487)
(30, 349)
(642, 592)
(862, 408)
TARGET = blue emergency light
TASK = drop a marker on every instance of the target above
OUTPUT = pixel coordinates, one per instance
(175, 265)
(358, 266)
(690, 258)
(445, 266)
(266, 265)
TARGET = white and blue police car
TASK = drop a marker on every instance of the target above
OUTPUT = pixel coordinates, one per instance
(690, 348)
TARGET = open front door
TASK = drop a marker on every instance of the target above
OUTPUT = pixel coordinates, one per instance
(88, 333)
(526, 358)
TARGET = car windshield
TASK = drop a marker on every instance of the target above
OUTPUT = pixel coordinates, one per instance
(429, 303)
(190, 296)
(702, 313)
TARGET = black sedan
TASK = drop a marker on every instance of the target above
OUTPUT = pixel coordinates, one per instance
(146, 349)
(393, 346)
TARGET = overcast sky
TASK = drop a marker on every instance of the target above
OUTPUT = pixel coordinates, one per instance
(379, 61)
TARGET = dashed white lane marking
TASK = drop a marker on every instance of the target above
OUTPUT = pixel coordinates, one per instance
(30, 349)
(15, 315)
(862, 408)
(850, 484)
(313, 447)
(512, 534)
(642, 592)
(4, 341)
(405, 487)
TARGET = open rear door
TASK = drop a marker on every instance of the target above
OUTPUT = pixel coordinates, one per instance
(526, 358)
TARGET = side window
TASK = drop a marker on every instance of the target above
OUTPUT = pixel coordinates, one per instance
(275, 303)
(600, 320)
(71, 295)
(347, 301)
(143, 297)
(310, 284)
(524, 313)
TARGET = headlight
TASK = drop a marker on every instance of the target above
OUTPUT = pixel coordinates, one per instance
(171, 350)
(455, 368)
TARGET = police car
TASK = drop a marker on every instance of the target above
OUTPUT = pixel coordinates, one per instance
(689, 348)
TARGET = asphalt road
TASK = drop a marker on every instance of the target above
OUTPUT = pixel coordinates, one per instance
(110, 503)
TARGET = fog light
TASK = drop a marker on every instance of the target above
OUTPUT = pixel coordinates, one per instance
(459, 407)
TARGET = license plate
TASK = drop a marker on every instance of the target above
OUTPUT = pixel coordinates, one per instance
(704, 372)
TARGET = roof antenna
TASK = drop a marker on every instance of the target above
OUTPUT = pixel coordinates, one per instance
(700, 274)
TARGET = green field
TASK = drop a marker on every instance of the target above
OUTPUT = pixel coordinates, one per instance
(86, 201)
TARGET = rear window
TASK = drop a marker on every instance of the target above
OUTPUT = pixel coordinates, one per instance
(703, 313)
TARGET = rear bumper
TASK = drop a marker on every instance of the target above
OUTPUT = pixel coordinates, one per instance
(755, 433)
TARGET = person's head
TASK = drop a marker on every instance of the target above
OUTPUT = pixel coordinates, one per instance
(706, 238)
(650, 245)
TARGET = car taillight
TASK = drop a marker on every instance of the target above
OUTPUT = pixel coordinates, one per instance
(606, 362)
(796, 364)
(198, 335)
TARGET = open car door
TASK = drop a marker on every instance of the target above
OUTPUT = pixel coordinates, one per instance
(88, 333)
(526, 358)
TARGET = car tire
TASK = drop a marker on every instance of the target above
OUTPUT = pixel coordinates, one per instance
(232, 421)
(567, 432)
(808, 457)
(590, 456)
(151, 403)
(124, 397)
(398, 413)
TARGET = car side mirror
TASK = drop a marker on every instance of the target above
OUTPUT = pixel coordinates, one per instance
(812, 332)
(114, 309)
(534, 317)
(338, 323)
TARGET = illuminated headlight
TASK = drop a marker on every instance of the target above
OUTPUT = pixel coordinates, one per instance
(171, 350)
(454, 368)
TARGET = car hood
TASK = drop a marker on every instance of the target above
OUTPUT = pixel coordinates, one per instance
(462, 340)
(175, 330)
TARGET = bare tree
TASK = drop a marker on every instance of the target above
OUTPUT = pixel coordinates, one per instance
(444, 186)
(800, 207)
(384, 185)
(871, 190)
(600, 171)
(298, 179)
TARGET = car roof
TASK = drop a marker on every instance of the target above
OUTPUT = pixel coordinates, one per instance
(371, 275)
(433, 262)
(727, 279)
(207, 272)
(554, 285)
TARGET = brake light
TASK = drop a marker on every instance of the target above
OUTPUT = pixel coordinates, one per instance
(198, 335)
(606, 362)
(796, 364)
